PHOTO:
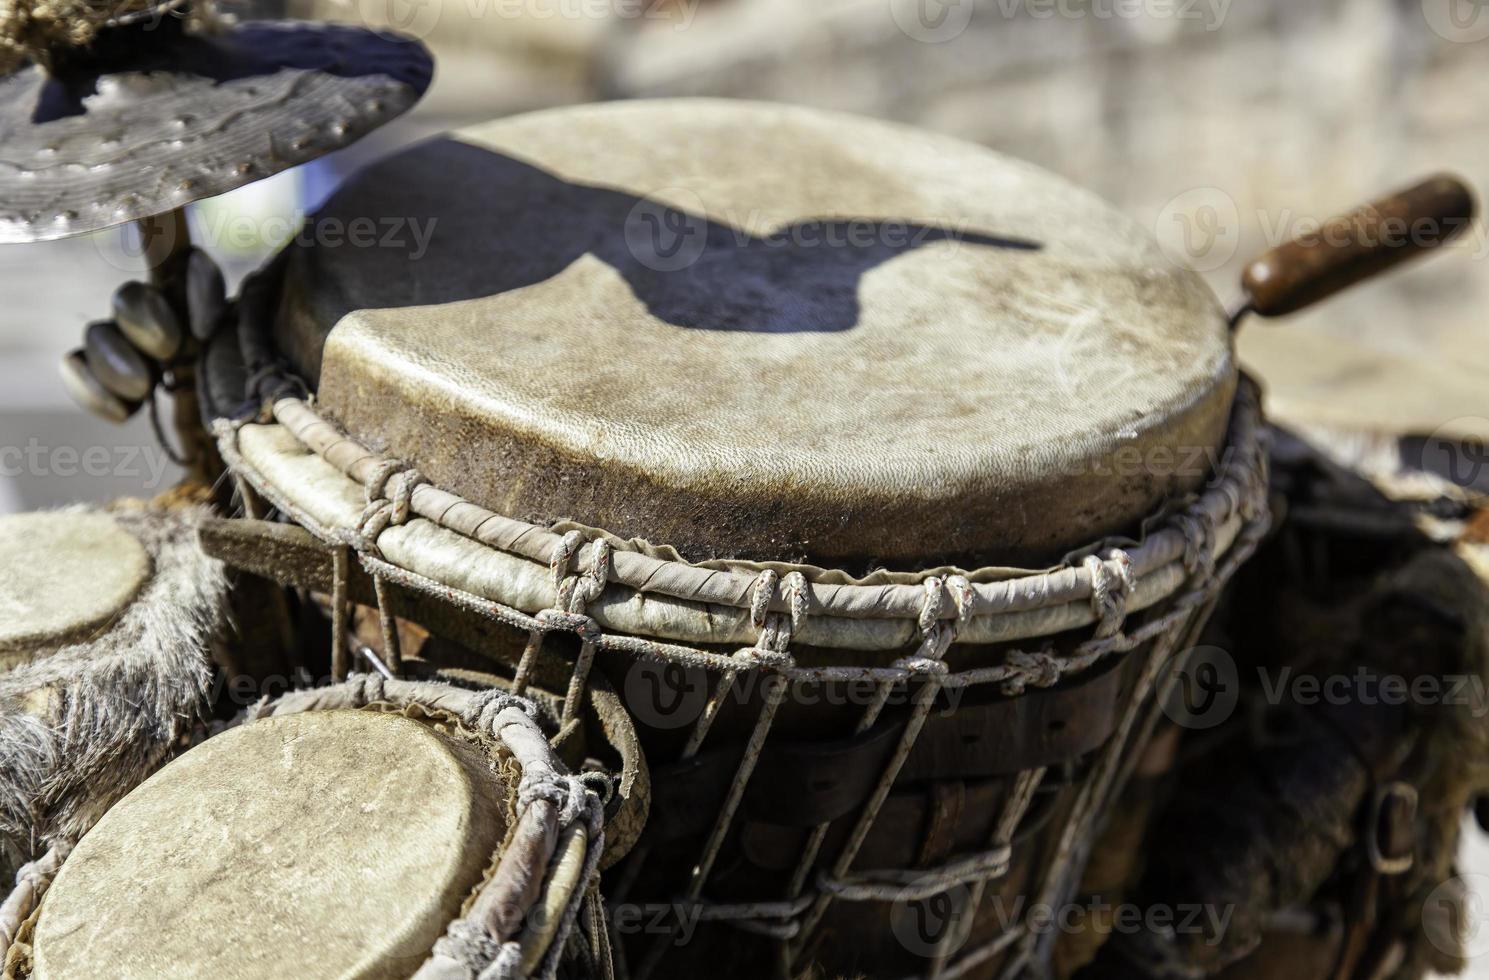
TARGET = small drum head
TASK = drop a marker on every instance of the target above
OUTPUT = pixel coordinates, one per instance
(758, 332)
(71, 573)
(158, 118)
(332, 844)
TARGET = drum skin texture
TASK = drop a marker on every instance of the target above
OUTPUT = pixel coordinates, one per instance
(766, 333)
(331, 845)
(70, 573)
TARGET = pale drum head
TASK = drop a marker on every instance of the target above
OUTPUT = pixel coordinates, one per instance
(71, 573)
(335, 844)
(761, 332)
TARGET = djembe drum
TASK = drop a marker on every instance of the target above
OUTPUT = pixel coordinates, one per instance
(881, 482)
(110, 621)
(371, 829)
(882, 476)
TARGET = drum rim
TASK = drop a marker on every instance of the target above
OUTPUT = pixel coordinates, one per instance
(364, 502)
(551, 805)
(1185, 555)
(558, 818)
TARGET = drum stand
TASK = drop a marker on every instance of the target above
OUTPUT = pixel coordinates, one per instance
(166, 245)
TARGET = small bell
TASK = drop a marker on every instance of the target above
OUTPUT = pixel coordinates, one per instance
(115, 362)
(146, 318)
(206, 294)
(90, 393)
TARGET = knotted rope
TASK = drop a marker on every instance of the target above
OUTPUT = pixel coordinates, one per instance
(390, 490)
(776, 629)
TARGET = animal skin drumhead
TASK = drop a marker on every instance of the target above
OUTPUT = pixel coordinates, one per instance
(762, 332)
(334, 844)
(69, 573)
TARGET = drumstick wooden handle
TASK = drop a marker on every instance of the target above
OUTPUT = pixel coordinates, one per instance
(1354, 247)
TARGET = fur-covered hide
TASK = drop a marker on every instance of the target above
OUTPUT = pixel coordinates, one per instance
(34, 30)
(83, 723)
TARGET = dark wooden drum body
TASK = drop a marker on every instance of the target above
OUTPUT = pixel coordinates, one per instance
(883, 478)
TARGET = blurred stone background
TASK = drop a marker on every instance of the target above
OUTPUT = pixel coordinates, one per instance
(1223, 125)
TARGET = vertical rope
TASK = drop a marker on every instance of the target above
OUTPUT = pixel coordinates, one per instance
(1014, 809)
(637, 861)
(249, 498)
(578, 680)
(775, 692)
(523, 677)
(31, 884)
(1096, 792)
(577, 592)
(818, 836)
(929, 664)
(924, 698)
(340, 653)
(392, 646)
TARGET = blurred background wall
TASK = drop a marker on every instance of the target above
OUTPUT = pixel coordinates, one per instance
(1224, 125)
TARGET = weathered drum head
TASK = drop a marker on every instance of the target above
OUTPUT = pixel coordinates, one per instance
(761, 332)
(331, 844)
(70, 573)
(159, 118)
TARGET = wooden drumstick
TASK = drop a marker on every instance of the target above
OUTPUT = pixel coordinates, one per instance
(1357, 246)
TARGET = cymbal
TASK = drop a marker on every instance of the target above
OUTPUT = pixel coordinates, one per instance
(151, 117)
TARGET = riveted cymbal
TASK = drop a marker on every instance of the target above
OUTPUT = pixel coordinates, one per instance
(151, 117)
(90, 393)
(47, 32)
(146, 318)
(116, 362)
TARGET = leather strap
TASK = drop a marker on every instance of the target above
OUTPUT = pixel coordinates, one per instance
(803, 784)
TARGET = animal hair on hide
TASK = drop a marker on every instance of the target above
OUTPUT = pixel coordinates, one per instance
(35, 30)
(83, 723)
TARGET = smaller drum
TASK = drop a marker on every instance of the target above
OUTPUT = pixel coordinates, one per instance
(104, 659)
(343, 832)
